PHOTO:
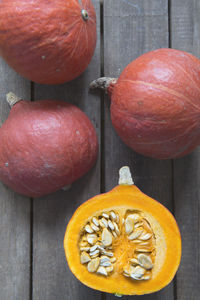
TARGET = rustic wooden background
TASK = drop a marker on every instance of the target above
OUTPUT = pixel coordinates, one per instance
(32, 261)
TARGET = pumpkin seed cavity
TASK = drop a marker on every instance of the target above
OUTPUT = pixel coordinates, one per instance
(101, 236)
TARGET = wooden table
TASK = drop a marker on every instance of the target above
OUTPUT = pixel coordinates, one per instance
(32, 261)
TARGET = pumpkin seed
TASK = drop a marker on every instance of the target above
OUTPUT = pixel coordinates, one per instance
(93, 265)
(110, 224)
(92, 239)
(129, 269)
(94, 255)
(137, 273)
(113, 259)
(135, 235)
(104, 259)
(145, 261)
(137, 241)
(113, 216)
(94, 227)
(101, 270)
(106, 237)
(85, 258)
(146, 277)
(117, 219)
(93, 248)
(145, 236)
(105, 222)
(88, 229)
(116, 228)
(101, 224)
(134, 217)
(101, 248)
(114, 234)
(143, 250)
(83, 244)
(85, 249)
(108, 253)
(105, 264)
(109, 269)
(105, 215)
(94, 252)
(145, 244)
(139, 224)
(95, 221)
(135, 276)
(129, 225)
(134, 261)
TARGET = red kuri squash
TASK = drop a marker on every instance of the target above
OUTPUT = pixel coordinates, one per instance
(44, 146)
(47, 42)
(155, 103)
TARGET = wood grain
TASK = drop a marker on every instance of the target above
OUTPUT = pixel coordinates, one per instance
(52, 278)
(14, 210)
(185, 35)
(130, 29)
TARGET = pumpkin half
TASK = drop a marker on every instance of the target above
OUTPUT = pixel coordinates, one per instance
(155, 103)
(123, 241)
(47, 42)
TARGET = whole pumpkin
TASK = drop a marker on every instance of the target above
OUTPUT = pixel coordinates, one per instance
(155, 103)
(47, 42)
(44, 146)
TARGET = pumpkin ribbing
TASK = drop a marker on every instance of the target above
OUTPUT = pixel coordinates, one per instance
(155, 104)
(45, 145)
(47, 41)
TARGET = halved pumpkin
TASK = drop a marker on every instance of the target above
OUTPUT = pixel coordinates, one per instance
(123, 241)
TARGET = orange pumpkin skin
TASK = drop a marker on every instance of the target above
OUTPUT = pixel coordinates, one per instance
(45, 145)
(155, 104)
(47, 41)
(128, 197)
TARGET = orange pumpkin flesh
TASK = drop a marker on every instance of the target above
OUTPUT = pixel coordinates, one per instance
(121, 199)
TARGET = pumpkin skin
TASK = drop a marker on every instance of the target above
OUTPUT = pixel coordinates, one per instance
(44, 146)
(47, 42)
(168, 239)
(155, 104)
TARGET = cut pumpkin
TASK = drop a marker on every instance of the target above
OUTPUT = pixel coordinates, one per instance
(123, 241)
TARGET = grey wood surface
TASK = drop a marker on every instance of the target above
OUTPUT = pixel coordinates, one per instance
(129, 31)
(52, 279)
(185, 35)
(14, 210)
(32, 261)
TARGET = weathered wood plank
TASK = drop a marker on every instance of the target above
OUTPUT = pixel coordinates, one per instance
(14, 210)
(185, 35)
(52, 278)
(130, 29)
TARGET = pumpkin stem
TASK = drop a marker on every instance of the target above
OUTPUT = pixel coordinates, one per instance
(84, 15)
(104, 83)
(125, 177)
(12, 99)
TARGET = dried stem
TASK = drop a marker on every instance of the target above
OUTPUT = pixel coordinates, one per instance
(103, 83)
(125, 177)
(12, 99)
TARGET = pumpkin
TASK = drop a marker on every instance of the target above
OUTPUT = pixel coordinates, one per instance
(47, 42)
(45, 145)
(155, 103)
(123, 242)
